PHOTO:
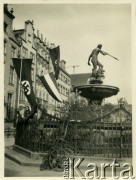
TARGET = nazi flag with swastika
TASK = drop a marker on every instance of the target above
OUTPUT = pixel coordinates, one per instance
(26, 80)
(55, 57)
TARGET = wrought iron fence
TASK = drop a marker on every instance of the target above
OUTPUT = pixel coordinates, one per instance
(102, 139)
(38, 135)
(99, 138)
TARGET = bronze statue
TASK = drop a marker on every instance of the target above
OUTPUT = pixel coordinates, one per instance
(97, 74)
(94, 59)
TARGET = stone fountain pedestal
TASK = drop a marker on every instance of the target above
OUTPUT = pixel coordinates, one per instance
(95, 91)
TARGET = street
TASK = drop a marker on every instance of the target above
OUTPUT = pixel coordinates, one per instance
(12, 169)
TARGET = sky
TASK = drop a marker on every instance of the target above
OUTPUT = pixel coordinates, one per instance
(78, 29)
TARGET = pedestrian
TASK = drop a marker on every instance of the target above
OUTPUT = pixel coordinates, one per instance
(26, 112)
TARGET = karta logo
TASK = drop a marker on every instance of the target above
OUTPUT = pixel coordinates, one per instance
(26, 86)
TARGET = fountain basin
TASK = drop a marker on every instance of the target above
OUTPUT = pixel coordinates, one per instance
(97, 91)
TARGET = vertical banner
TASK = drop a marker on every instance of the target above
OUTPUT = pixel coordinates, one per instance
(26, 80)
(55, 57)
(50, 85)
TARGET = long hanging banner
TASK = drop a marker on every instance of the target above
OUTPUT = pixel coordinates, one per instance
(26, 80)
(55, 57)
(50, 85)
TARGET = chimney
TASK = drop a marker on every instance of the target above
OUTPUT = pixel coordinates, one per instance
(37, 33)
(45, 41)
(42, 37)
(63, 64)
(48, 44)
(52, 45)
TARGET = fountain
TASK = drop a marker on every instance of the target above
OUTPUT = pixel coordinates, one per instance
(95, 91)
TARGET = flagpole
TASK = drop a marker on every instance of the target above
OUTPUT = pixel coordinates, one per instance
(55, 108)
(19, 80)
(42, 95)
(42, 90)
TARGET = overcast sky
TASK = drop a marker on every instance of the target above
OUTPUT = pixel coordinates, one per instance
(78, 28)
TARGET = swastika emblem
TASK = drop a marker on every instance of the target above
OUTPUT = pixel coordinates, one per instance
(56, 61)
(26, 86)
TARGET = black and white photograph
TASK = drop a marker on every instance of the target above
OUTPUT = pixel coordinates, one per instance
(68, 82)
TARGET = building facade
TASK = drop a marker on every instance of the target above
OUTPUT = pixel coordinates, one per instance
(26, 44)
(11, 50)
(42, 67)
(64, 85)
(27, 51)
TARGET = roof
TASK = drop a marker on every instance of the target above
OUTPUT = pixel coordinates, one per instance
(117, 109)
(63, 70)
(18, 30)
(129, 114)
(79, 79)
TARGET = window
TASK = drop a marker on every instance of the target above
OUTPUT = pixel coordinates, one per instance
(22, 95)
(37, 69)
(46, 97)
(9, 99)
(24, 52)
(40, 94)
(44, 71)
(32, 57)
(9, 106)
(61, 89)
(5, 47)
(22, 98)
(37, 93)
(59, 75)
(43, 96)
(64, 78)
(44, 55)
(11, 75)
(13, 52)
(5, 27)
(67, 92)
(42, 52)
(33, 86)
(41, 70)
(32, 74)
(47, 57)
(29, 38)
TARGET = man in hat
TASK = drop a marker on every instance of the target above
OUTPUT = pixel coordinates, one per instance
(94, 58)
